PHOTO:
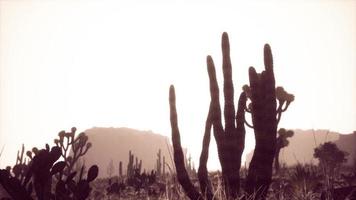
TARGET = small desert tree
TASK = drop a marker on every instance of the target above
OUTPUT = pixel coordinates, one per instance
(330, 159)
(282, 141)
(330, 156)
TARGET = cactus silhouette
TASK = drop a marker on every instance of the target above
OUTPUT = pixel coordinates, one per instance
(72, 148)
(134, 167)
(178, 155)
(264, 119)
(20, 169)
(42, 168)
(41, 171)
(230, 139)
(282, 141)
(283, 98)
(204, 181)
(120, 169)
(159, 163)
(130, 168)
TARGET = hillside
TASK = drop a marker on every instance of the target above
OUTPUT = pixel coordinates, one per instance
(115, 144)
(301, 145)
(348, 143)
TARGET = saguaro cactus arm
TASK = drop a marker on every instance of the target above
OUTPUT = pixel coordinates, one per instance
(215, 100)
(229, 108)
(205, 184)
(182, 173)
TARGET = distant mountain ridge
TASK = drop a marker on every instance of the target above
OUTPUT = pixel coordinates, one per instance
(301, 146)
(115, 144)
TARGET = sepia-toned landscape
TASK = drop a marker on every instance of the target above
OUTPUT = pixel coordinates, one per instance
(176, 100)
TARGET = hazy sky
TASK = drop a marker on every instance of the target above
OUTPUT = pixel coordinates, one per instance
(110, 63)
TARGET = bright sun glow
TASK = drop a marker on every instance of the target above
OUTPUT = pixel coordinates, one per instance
(110, 64)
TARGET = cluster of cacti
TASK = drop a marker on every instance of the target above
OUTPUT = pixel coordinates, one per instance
(69, 189)
(134, 166)
(42, 168)
(231, 138)
(135, 177)
(115, 188)
(20, 168)
(160, 164)
(282, 141)
(142, 180)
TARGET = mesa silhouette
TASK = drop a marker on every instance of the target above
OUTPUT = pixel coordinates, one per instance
(294, 154)
(115, 143)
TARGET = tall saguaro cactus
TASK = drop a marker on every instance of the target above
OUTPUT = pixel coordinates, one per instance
(230, 139)
(264, 118)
